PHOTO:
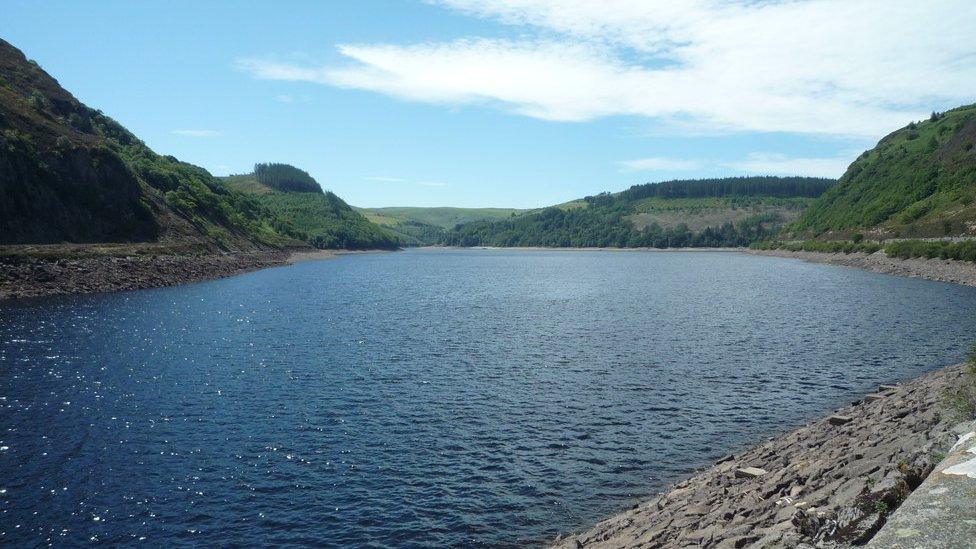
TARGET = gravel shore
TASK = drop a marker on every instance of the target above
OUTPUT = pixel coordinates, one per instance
(942, 270)
(830, 483)
(37, 275)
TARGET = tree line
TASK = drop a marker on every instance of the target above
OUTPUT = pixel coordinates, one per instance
(285, 177)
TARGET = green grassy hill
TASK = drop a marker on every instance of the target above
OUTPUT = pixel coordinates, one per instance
(708, 212)
(69, 173)
(425, 226)
(919, 181)
(292, 195)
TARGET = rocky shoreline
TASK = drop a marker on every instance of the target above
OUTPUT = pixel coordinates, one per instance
(830, 483)
(942, 270)
(38, 274)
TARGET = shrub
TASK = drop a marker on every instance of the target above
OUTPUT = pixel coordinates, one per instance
(960, 251)
(962, 399)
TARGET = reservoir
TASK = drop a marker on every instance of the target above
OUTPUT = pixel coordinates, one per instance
(432, 397)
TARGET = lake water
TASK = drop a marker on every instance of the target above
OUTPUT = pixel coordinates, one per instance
(431, 397)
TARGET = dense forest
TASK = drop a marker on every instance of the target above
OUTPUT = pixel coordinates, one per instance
(321, 217)
(284, 177)
(810, 187)
(918, 181)
(726, 212)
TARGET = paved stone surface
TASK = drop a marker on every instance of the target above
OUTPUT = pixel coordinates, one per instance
(941, 513)
(827, 485)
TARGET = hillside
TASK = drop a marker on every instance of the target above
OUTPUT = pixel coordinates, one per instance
(919, 181)
(69, 173)
(294, 196)
(425, 226)
(707, 212)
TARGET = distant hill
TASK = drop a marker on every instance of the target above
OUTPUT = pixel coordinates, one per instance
(919, 181)
(69, 173)
(425, 226)
(731, 211)
(294, 196)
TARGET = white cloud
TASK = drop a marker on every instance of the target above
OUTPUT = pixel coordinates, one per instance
(284, 98)
(197, 133)
(848, 67)
(659, 164)
(432, 183)
(779, 164)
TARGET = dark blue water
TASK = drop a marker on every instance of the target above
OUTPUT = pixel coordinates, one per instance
(430, 398)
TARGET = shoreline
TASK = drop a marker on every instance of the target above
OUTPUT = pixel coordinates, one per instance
(830, 483)
(40, 271)
(939, 270)
(575, 249)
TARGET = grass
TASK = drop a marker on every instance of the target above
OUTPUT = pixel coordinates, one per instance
(961, 400)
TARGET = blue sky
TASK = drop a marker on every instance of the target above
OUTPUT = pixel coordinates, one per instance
(509, 103)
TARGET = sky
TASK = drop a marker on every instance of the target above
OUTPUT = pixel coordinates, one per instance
(507, 103)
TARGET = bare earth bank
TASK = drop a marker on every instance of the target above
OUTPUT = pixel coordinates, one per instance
(830, 483)
(83, 271)
(942, 270)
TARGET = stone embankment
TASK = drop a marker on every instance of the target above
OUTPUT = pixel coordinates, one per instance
(942, 270)
(831, 483)
(25, 275)
(941, 513)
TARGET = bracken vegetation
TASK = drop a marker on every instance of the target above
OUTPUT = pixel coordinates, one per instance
(918, 181)
(821, 246)
(904, 249)
(962, 251)
(322, 218)
(69, 173)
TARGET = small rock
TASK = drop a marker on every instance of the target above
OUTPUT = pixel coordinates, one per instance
(874, 396)
(750, 472)
(839, 420)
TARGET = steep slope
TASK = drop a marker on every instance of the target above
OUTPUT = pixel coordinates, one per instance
(326, 220)
(68, 173)
(424, 226)
(918, 181)
(707, 212)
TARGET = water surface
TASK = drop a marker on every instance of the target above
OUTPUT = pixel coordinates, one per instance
(431, 397)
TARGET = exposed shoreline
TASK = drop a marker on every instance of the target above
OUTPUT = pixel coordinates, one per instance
(941, 270)
(41, 271)
(830, 483)
(35, 271)
(586, 249)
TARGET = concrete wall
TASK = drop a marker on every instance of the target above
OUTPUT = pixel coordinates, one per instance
(941, 513)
